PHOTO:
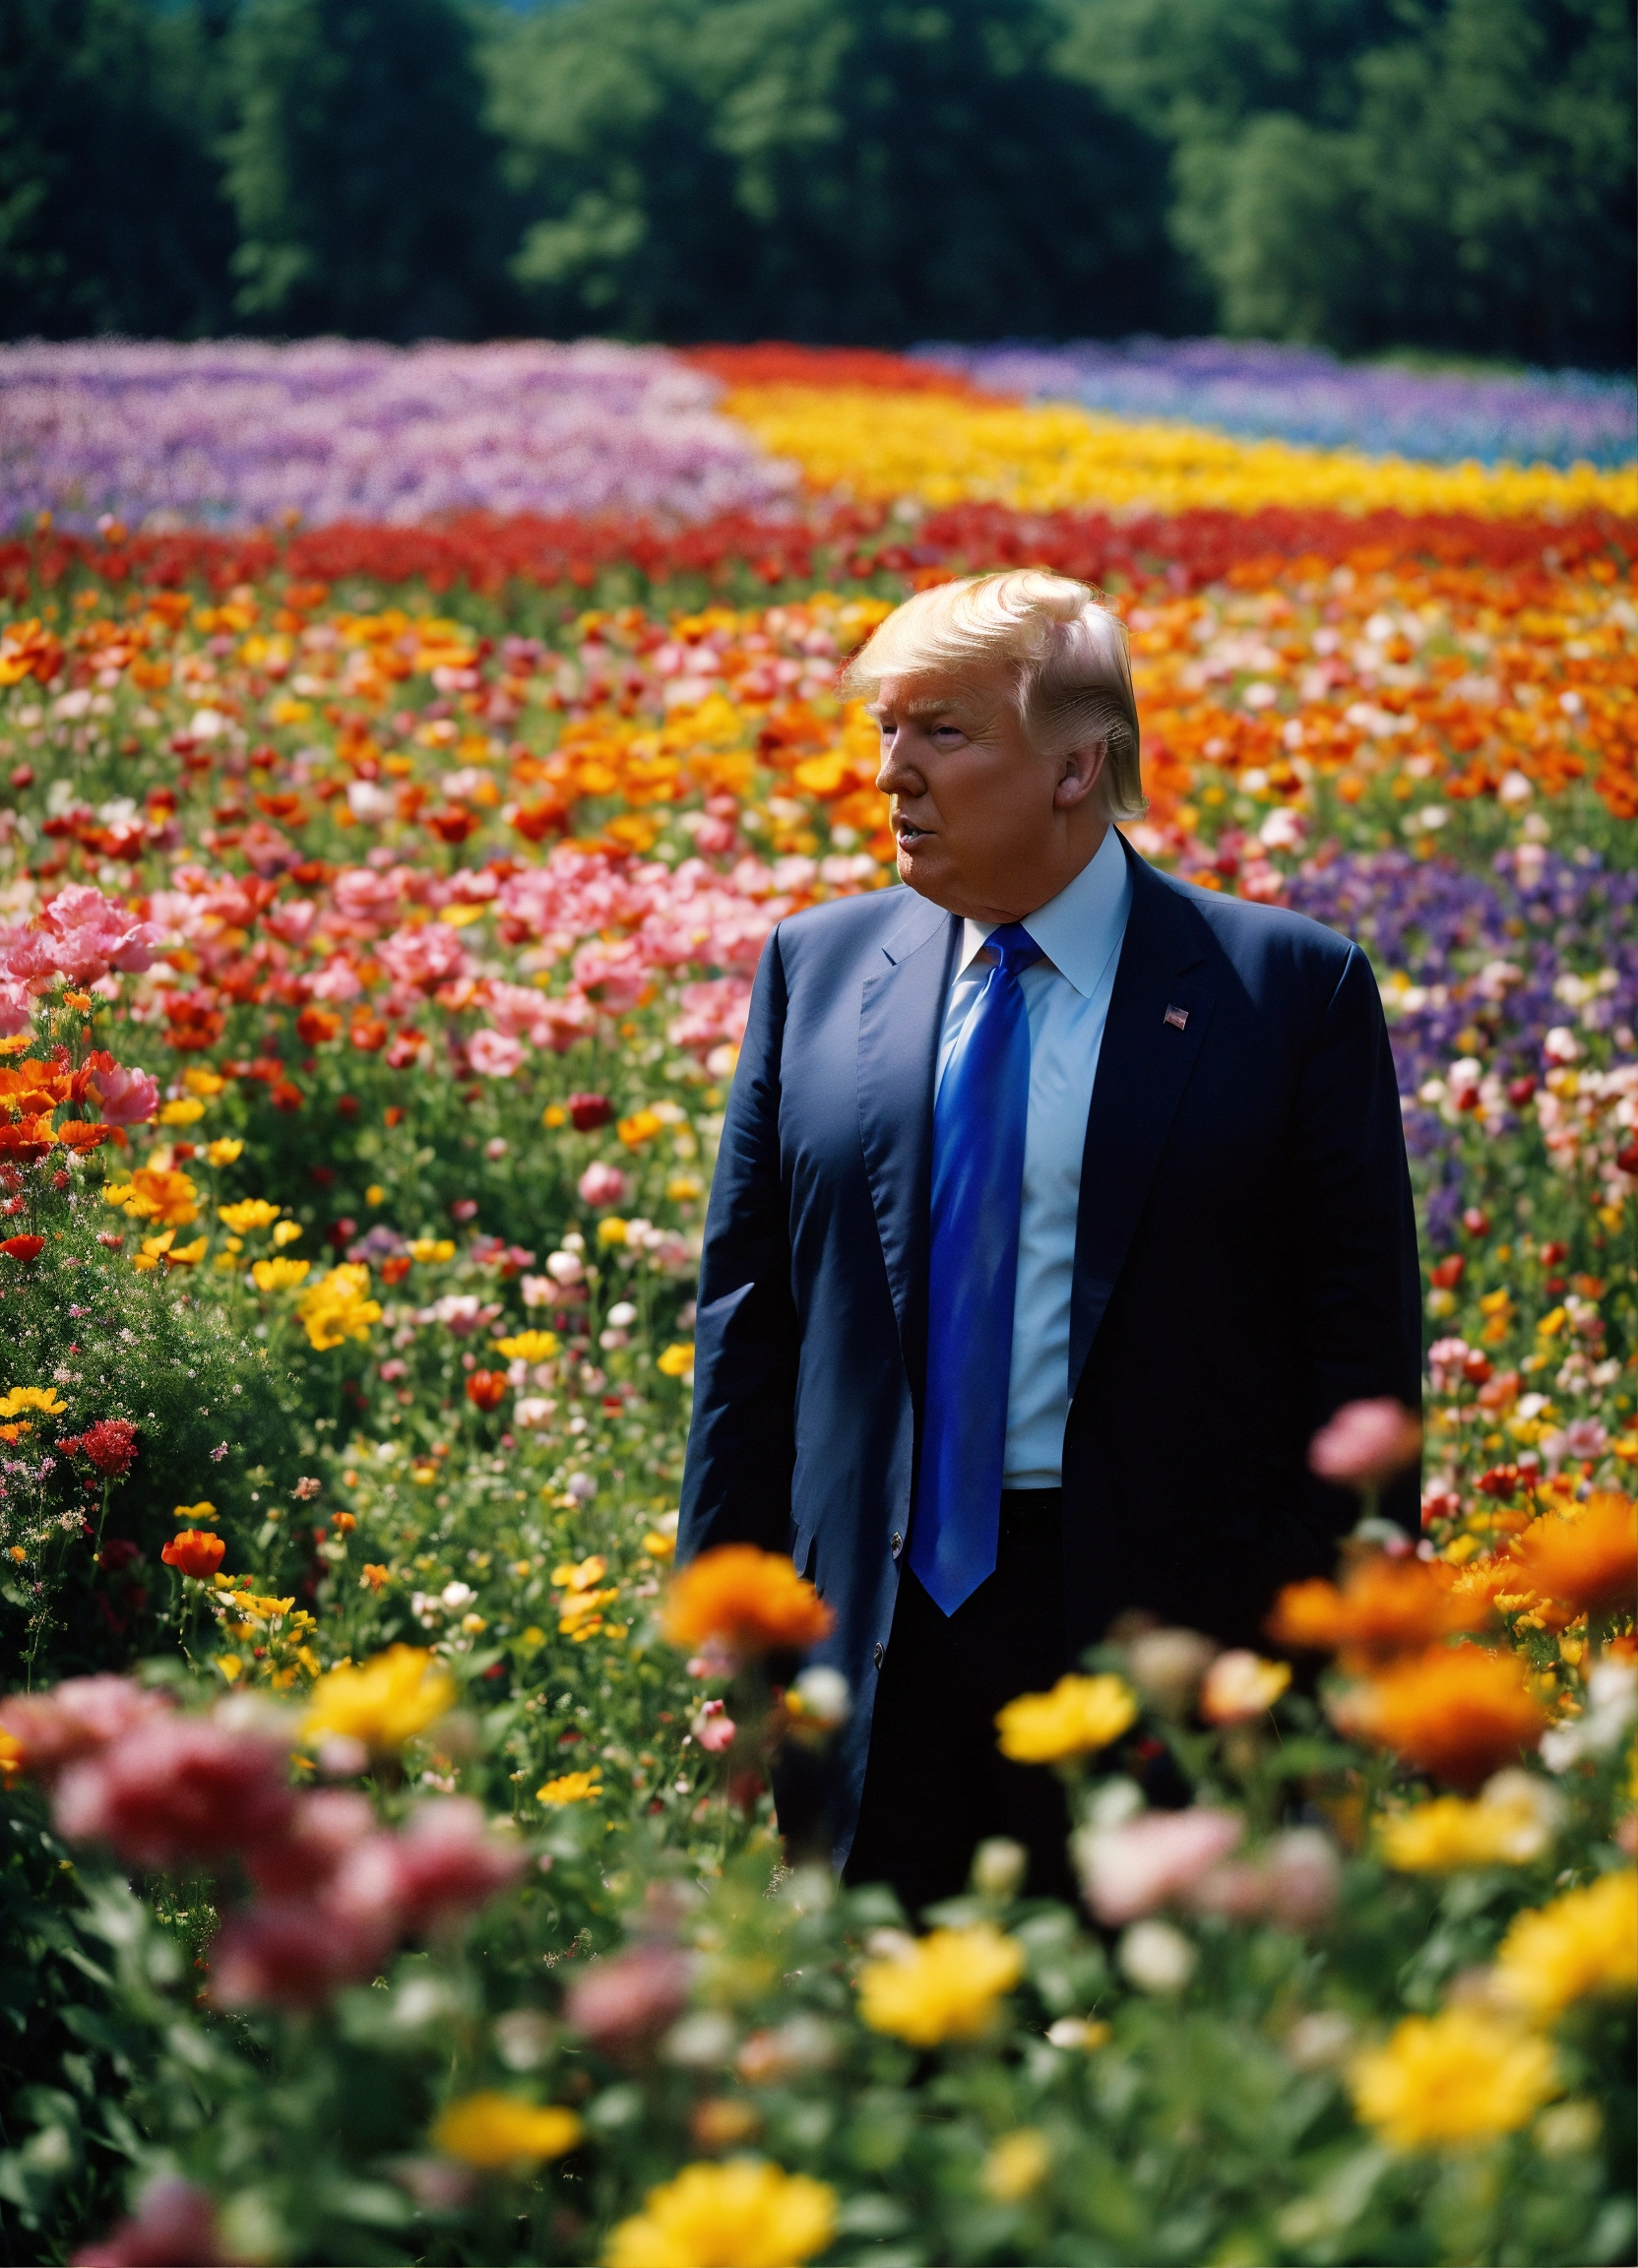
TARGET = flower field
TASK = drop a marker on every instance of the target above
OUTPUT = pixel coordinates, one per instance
(408, 759)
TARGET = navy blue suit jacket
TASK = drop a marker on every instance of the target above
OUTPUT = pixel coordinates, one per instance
(1245, 1262)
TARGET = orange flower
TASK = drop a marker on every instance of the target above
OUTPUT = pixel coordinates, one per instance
(194, 1552)
(1386, 1607)
(1458, 1714)
(487, 1388)
(79, 1135)
(745, 1601)
(1586, 1557)
(22, 1249)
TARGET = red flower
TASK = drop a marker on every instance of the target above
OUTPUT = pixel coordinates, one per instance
(438, 1868)
(194, 1552)
(586, 1112)
(22, 1249)
(293, 1954)
(174, 2227)
(111, 1446)
(177, 1791)
(314, 1026)
(484, 1388)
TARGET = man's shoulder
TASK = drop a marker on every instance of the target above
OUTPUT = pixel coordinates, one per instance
(1265, 944)
(843, 927)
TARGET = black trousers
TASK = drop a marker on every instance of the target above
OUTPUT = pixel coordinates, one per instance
(935, 1782)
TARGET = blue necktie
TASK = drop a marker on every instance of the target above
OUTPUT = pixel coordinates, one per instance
(978, 1126)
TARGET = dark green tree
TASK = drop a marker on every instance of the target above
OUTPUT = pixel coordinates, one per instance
(111, 214)
(823, 169)
(366, 183)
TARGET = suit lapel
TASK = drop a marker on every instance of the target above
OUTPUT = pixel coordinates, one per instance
(1143, 1067)
(900, 1018)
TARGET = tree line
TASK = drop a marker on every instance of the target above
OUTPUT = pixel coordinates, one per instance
(1455, 174)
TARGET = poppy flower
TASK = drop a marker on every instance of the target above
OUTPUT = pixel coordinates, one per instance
(487, 1388)
(22, 1249)
(192, 1553)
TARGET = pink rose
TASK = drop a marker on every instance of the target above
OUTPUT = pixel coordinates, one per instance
(1366, 1443)
(1131, 1870)
(494, 1055)
(602, 1185)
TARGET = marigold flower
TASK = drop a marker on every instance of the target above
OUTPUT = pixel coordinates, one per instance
(1457, 1714)
(1240, 1684)
(1459, 2077)
(338, 1307)
(225, 1151)
(746, 2214)
(675, 1360)
(947, 1985)
(250, 1212)
(494, 2131)
(1585, 1556)
(1386, 1607)
(571, 1787)
(745, 1601)
(278, 1275)
(45, 1399)
(192, 1553)
(487, 1389)
(383, 1702)
(168, 1198)
(1512, 1822)
(528, 1347)
(1585, 1942)
(1078, 1716)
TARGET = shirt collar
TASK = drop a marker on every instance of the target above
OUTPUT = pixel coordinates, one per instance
(1081, 927)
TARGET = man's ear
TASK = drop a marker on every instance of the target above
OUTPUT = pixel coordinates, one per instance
(1079, 772)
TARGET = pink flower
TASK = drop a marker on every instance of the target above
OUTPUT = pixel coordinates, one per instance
(78, 1718)
(429, 1876)
(324, 1825)
(624, 2004)
(294, 1953)
(176, 1790)
(602, 1185)
(17, 1010)
(1131, 1870)
(1293, 1882)
(89, 935)
(714, 1729)
(1366, 1443)
(173, 2227)
(124, 1096)
(493, 1055)
(425, 957)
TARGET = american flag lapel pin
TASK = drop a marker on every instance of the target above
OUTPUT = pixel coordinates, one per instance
(1177, 1017)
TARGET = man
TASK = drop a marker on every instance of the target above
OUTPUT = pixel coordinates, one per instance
(1058, 1205)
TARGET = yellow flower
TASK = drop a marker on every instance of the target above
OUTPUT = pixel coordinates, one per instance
(286, 1232)
(944, 1986)
(1585, 1942)
(1242, 1684)
(677, 1360)
(746, 2214)
(579, 1575)
(375, 1194)
(152, 1194)
(11, 1758)
(612, 1231)
(494, 2131)
(1498, 1830)
(278, 1275)
(528, 1346)
(432, 1248)
(571, 1787)
(185, 1110)
(204, 1084)
(183, 1255)
(227, 1151)
(1453, 2078)
(337, 1306)
(383, 1702)
(683, 1189)
(642, 1126)
(250, 1212)
(1079, 1715)
(203, 1511)
(1016, 2164)
(45, 1399)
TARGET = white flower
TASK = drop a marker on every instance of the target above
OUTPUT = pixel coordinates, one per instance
(1156, 1957)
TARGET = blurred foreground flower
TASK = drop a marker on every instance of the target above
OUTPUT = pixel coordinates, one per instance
(383, 1702)
(1512, 1822)
(1456, 1714)
(1585, 1942)
(1130, 1869)
(947, 1985)
(1366, 1443)
(176, 1790)
(1386, 1607)
(744, 1600)
(1459, 2077)
(623, 2002)
(496, 2131)
(1079, 1715)
(1242, 1684)
(173, 2227)
(1586, 1556)
(746, 2214)
(1016, 2166)
(75, 1719)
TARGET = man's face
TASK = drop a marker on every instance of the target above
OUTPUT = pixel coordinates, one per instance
(987, 826)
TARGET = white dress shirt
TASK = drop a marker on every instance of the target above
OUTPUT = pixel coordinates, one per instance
(1067, 998)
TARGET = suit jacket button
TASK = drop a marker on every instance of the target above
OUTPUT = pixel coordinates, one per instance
(880, 1655)
(896, 1545)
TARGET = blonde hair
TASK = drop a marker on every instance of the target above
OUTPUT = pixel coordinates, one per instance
(1068, 655)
